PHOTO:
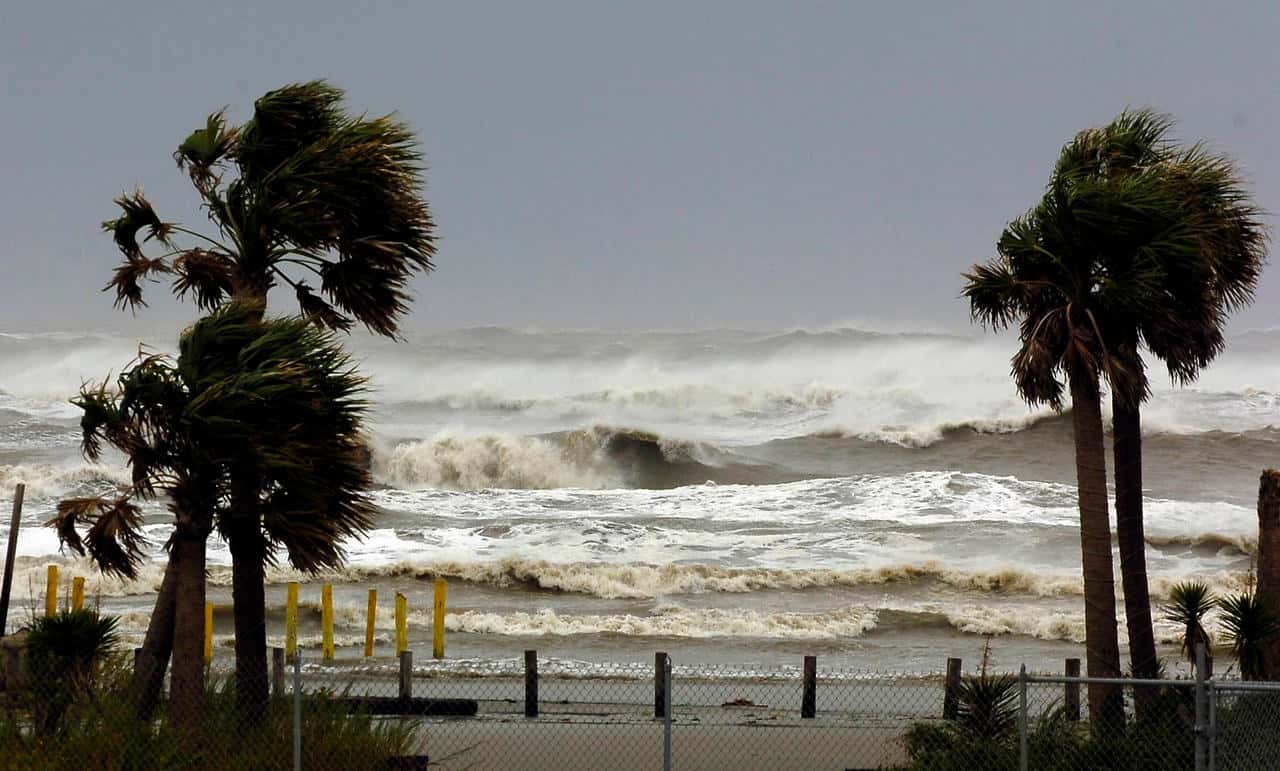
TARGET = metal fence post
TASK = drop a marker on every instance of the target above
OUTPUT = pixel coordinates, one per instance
(1201, 734)
(297, 711)
(1213, 727)
(1022, 718)
(666, 718)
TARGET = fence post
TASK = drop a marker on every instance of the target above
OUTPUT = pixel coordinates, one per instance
(1022, 719)
(77, 593)
(208, 633)
(809, 702)
(277, 671)
(659, 685)
(326, 622)
(402, 623)
(291, 620)
(10, 554)
(1213, 726)
(951, 690)
(1071, 699)
(51, 593)
(530, 683)
(369, 623)
(437, 620)
(406, 675)
(297, 711)
(666, 720)
(1201, 709)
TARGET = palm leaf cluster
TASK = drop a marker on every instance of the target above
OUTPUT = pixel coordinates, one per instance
(281, 393)
(1250, 623)
(1129, 234)
(303, 194)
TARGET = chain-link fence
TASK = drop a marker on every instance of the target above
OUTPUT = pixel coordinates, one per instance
(385, 713)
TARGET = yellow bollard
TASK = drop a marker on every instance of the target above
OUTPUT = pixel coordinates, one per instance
(291, 620)
(402, 624)
(437, 621)
(368, 624)
(77, 593)
(51, 593)
(208, 633)
(326, 622)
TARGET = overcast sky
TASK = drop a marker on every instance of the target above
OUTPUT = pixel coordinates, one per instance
(652, 165)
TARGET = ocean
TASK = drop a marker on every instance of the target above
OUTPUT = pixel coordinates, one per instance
(733, 497)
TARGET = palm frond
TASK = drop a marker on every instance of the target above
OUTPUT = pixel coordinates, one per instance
(1250, 624)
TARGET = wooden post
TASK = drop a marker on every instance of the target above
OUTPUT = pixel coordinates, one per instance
(406, 675)
(530, 683)
(659, 685)
(402, 623)
(11, 554)
(77, 593)
(370, 620)
(1071, 699)
(951, 690)
(208, 633)
(326, 622)
(809, 702)
(277, 672)
(437, 620)
(291, 620)
(51, 592)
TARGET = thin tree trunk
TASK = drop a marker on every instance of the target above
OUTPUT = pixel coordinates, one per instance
(148, 678)
(1127, 434)
(1269, 558)
(1101, 634)
(186, 691)
(248, 579)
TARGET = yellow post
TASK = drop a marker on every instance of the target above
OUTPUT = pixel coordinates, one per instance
(51, 592)
(77, 593)
(402, 624)
(326, 622)
(368, 624)
(437, 621)
(291, 620)
(208, 633)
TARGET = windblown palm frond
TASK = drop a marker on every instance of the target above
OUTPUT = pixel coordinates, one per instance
(280, 394)
(302, 187)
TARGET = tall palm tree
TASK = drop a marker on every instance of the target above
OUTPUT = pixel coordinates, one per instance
(302, 192)
(1198, 271)
(281, 393)
(1067, 272)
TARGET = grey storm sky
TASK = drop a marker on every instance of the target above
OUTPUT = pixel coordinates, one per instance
(650, 165)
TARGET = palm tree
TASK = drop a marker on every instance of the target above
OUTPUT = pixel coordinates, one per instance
(1189, 603)
(280, 393)
(1066, 272)
(1194, 273)
(1250, 624)
(302, 192)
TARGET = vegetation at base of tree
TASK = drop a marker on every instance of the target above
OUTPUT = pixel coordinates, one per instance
(1189, 602)
(65, 656)
(103, 732)
(1249, 624)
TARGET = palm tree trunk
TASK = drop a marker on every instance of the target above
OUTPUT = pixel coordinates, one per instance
(1101, 635)
(248, 574)
(1269, 558)
(248, 579)
(153, 659)
(186, 692)
(1127, 424)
